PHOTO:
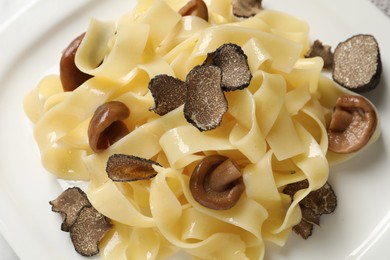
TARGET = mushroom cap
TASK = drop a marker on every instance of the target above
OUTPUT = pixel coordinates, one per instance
(106, 126)
(71, 77)
(352, 125)
(217, 183)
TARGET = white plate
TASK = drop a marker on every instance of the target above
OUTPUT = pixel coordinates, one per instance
(359, 229)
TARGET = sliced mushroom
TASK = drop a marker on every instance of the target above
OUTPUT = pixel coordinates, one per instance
(71, 77)
(106, 126)
(217, 183)
(353, 122)
(195, 7)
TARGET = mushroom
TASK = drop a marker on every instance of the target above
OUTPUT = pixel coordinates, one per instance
(217, 183)
(71, 77)
(195, 7)
(106, 126)
(353, 122)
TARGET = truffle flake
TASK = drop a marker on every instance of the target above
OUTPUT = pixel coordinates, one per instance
(324, 51)
(205, 102)
(246, 8)
(168, 93)
(357, 63)
(68, 205)
(316, 203)
(126, 168)
(233, 62)
(304, 229)
(88, 230)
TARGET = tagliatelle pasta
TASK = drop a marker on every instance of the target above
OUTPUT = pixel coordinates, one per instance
(275, 129)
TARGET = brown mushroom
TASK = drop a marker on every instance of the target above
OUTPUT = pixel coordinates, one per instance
(71, 77)
(195, 7)
(353, 122)
(217, 183)
(106, 126)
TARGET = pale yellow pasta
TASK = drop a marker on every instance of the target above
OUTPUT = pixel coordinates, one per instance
(275, 129)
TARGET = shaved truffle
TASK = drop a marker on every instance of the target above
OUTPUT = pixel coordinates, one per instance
(168, 93)
(324, 51)
(233, 62)
(69, 204)
(88, 230)
(304, 229)
(205, 102)
(310, 216)
(357, 63)
(321, 201)
(86, 225)
(246, 8)
(316, 203)
(123, 167)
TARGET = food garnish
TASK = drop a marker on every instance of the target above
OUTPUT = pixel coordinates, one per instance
(168, 92)
(88, 230)
(68, 205)
(246, 8)
(318, 49)
(86, 225)
(205, 102)
(233, 62)
(123, 167)
(357, 63)
(316, 203)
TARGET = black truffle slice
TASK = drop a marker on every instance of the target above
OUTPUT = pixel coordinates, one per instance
(304, 229)
(168, 93)
(88, 230)
(292, 188)
(324, 51)
(246, 8)
(123, 167)
(316, 203)
(233, 62)
(321, 201)
(205, 102)
(357, 63)
(69, 204)
(310, 216)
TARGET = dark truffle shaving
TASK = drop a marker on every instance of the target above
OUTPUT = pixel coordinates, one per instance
(88, 230)
(68, 205)
(233, 62)
(324, 51)
(316, 203)
(168, 93)
(126, 168)
(246, 8)
(205, 103)
(86, 225)
(357, 63)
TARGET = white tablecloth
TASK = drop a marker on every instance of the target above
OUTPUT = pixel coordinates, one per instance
(8, 8)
